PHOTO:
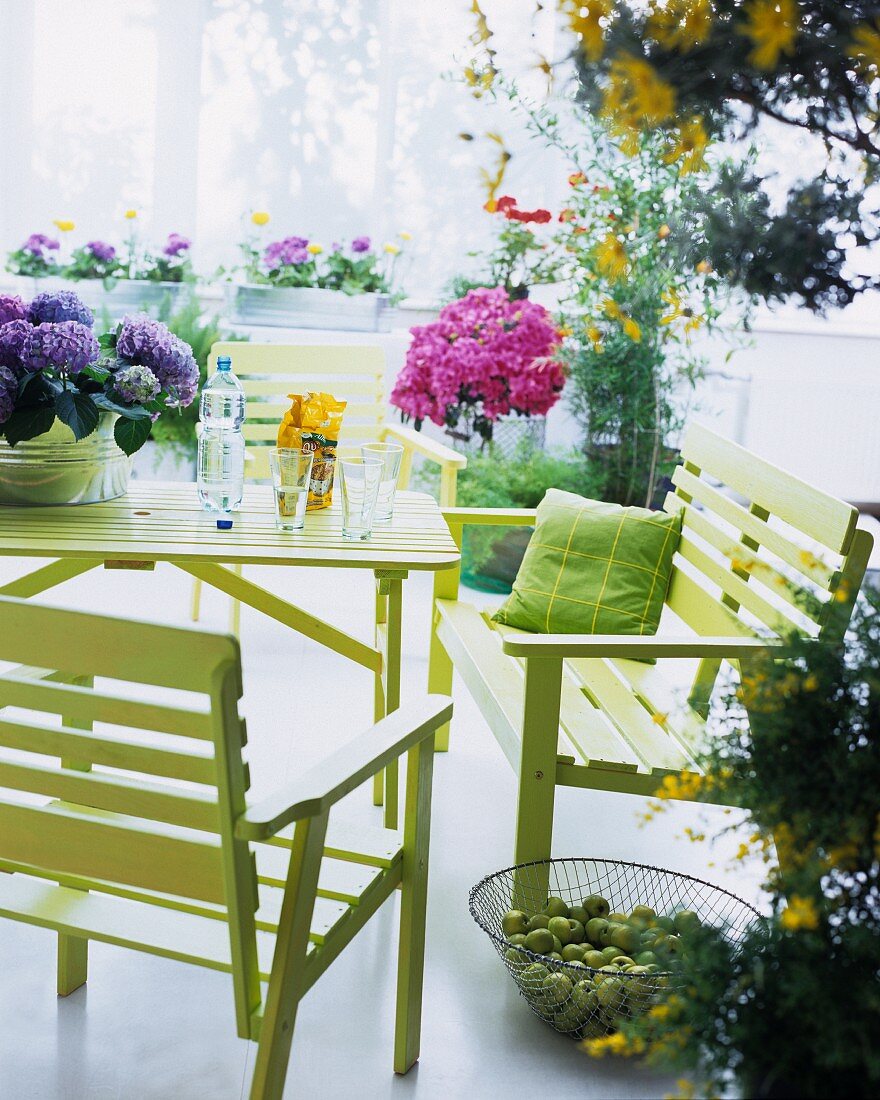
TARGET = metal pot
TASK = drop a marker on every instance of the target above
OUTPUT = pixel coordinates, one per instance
(306, 307)
(54, 468)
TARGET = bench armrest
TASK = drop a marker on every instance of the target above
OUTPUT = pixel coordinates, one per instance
(617, 645)
(503, 517)
(350, 766)
(425, 446)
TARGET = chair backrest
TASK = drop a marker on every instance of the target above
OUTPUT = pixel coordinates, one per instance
(761, 551)
(125, 784)
(269, 372)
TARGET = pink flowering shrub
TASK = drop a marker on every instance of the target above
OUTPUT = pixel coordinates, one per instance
(484, 357)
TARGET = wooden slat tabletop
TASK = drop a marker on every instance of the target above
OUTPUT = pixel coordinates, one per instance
(159, 521)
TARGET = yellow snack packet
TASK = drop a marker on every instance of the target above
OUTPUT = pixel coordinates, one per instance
(313, 422)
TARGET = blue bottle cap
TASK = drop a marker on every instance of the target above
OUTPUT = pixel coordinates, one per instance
(224, 362)
(224, 524)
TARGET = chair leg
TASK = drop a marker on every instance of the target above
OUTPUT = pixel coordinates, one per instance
(196, 602)
(439, 680)
(286, 979)
(379, 685)
(73, 963)
(235, 608)
(413, 905)
(537, 779)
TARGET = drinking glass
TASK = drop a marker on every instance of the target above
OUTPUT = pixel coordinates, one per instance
(391, 455)
(291, 477)
(359, 480)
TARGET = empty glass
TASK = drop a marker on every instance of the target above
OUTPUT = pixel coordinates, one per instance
(291, 477)
(391, 455)
(359, 480)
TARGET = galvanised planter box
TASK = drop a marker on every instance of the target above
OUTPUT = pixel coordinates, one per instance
(307, 307)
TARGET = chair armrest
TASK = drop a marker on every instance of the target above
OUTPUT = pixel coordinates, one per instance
(618, 645)
(425, 446)
(503, 517)
(325, 784)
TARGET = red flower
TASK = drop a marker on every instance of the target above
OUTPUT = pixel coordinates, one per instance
(505, 203)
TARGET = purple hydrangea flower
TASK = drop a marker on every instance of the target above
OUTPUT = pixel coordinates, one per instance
(8, 390)
(149, 343)
(12, 308)
(67, 346)
(59, 305)
(361, 244)
(136, 384)
(176, 244)
(14, 338)
(102, 251)
(36, 242)
(292, 250)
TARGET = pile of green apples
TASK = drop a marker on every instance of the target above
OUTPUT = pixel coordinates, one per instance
(598, 967)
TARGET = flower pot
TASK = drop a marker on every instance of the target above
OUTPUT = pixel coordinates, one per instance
(490, 559)
(306, 307)
(54, 468)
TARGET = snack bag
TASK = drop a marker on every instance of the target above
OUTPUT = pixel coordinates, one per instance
(313, 422)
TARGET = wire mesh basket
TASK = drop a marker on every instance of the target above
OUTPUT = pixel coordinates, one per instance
(583, 999)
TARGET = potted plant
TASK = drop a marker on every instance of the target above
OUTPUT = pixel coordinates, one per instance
(485, 357)
(74, 408)
(794, 1009)
(108, 279)
(297, 283)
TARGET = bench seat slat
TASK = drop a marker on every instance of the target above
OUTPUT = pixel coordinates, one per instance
(647, 738)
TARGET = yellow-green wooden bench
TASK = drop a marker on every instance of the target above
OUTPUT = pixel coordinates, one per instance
(579, 710)
(141, 836)
(269, 372)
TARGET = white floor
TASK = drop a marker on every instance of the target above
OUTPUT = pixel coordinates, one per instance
(149, 1029)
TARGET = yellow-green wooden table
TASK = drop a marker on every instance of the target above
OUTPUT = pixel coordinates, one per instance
(163, 522)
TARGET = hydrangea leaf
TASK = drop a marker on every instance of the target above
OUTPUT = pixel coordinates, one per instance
(28, 423)
(130, 434)
(77, 411)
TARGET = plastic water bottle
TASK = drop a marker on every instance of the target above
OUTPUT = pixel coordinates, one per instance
(221, 444)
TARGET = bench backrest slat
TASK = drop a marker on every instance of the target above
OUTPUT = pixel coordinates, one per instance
(269, 372)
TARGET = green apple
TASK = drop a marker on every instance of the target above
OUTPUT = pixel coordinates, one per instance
(596, 905)
(672, 945)
(609, 953)
(569, 1019)
(557, 944)
(646, 958)
(561, 929)
(611, 994)
(604, 972)
(540, 941)
(595, 927)
(643, 912)
(573, 952)
(584, 996)
(666, 923)
(625, 937)
(686, 921)
(577, 932)
(556, 957)
(557, 987)
(594, 959)
(577, 912)
(518, 939)
(539, 920)
(608, 935)
(514, 921)
(516, 958)
(576, 964)
(532, 978)
(618, 918)
(622, 961)
(555, 907)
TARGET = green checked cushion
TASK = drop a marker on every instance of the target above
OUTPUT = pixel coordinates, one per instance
(592, 568)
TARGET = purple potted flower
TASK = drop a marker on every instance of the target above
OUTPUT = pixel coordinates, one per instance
(296, 281)
(61, 386)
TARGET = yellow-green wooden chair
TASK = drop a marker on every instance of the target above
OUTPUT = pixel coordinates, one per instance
(124, 818)
(269, 372)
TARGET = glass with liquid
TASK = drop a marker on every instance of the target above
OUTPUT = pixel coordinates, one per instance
(291, 477)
